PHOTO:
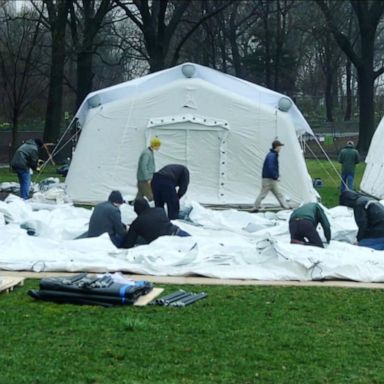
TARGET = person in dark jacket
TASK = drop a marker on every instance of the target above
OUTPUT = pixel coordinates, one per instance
(369, 217)
(164, 184)
(150, 224)
(270, 177)
(348, 158)
(303, 224)
(26, 158)
(106, 218)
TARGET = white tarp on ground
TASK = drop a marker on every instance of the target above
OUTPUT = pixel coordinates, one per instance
(224, 244)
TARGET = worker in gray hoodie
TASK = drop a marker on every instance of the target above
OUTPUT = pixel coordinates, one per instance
(23, 161)
(106, 218)
(369, 217)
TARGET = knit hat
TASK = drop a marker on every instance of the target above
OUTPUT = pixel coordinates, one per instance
(155, 142)
(116, 197)
(276, 143)
(140, 205)
(38, 142)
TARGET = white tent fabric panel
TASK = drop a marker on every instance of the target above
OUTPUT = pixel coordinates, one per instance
(373, 178)
(114, 135)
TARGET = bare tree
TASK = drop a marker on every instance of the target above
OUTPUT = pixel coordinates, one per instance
(368, 14)
(54, 15)
(20, 55)
(158, 21)
(87, 18)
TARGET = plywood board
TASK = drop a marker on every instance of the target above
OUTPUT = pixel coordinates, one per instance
(8, 283)
(145, 299)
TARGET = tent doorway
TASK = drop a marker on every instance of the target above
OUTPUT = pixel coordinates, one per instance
(201, 148)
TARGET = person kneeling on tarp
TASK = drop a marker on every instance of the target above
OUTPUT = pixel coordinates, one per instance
(303, 223)
(369, 217)
(150, 224)
(106, 217)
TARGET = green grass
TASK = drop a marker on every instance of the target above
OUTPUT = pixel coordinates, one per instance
(6, 174)
(236, 335)
(326, 171)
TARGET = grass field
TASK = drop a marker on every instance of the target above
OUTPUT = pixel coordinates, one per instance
(236, 335)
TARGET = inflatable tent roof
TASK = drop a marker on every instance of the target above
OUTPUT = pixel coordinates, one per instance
(219, 126)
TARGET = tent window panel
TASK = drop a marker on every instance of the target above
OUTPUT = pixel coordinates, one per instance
(197, 149)
(204, 159)
(173, 148)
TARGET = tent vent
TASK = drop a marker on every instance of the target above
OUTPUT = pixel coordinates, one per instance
(188, 70)
(284, 104)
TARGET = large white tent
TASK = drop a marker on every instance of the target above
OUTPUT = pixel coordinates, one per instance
(219, 126)
(373, 178)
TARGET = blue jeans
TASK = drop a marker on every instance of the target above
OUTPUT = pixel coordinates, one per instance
(117, 240)
(25, 183)
(377, 243)
(181, 233)
(348, 180)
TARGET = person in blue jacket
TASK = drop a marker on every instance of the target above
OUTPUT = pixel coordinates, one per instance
(270, 177)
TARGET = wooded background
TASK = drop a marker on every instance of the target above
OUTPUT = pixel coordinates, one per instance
(327, 55)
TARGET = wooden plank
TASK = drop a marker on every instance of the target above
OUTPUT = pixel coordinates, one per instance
(198, 280)
(145, 299)
(8, 283)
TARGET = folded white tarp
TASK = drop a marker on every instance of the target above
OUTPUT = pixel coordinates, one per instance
(224, 244)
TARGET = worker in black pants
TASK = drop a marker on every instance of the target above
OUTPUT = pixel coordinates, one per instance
(303, 223)
(169, 185)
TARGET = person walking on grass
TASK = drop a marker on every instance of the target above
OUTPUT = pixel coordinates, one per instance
(270, 177)
(348, 158)
(146, 169)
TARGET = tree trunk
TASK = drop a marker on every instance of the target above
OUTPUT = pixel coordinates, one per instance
(366, 101)
(348, 80)
(58, 22)
(55, 94)
(156, 60)
(329, 96)
(84, 75)
(15, 133)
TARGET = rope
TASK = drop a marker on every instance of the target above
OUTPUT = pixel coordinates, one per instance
(330, 161)
(47, 161)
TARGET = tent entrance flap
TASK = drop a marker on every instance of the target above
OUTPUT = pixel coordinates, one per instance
(199, 147)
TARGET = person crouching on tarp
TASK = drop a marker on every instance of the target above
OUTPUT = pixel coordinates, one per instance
(303, 223)
(106, 218)
(369, 217)
(150, 224)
